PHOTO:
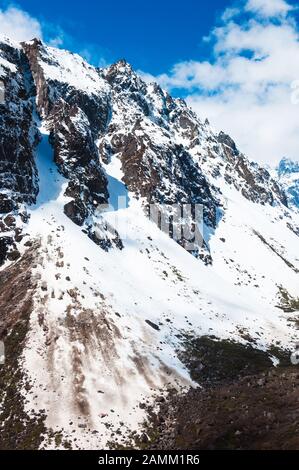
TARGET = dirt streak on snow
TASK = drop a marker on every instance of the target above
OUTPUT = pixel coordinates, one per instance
(91, 355)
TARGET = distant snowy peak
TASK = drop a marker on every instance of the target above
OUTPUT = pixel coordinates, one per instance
(287, 166)
(288, 174)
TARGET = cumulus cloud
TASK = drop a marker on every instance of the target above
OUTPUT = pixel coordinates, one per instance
(245, 89)
(18, 25)
(269, 8)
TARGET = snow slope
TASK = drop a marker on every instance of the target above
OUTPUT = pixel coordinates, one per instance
(91, 355)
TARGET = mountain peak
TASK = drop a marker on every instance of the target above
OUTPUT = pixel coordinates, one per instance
(287, 166)
(121, 66)
(35, 40)
(123, 63)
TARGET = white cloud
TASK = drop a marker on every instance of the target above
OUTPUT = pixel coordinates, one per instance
(56, 41)
(245, 89)
(18, 25)
(269, 8)
(93, 55)
(146, 77)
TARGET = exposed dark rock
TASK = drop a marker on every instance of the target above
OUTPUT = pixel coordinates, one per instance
(95, 107)
(76, 156)
(6, 204)
(18, 136)
(5, 244)
(153, 325)
(228, 142)
(251, 413)
(211, 361)
(259, 185)
(18, 430)
(245, 403)
(76, 211)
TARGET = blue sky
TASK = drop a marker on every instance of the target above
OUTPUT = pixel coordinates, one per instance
(236, 62)
(151, 35)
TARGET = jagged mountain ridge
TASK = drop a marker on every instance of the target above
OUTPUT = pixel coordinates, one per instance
(108, 310)
(159, 145)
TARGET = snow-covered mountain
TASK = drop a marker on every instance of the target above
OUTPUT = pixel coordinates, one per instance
(96, 300)
(288, 175)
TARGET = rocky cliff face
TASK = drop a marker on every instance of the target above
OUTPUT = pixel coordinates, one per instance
(74, 117)
(18, 140)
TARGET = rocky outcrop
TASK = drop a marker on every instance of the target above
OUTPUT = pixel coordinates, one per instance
(18, 139)
(76, 156)
(52, 84)
(18, 132)
(156, 166)
(254, 181)
(168, 155)
(74, 118)
(43, 101)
